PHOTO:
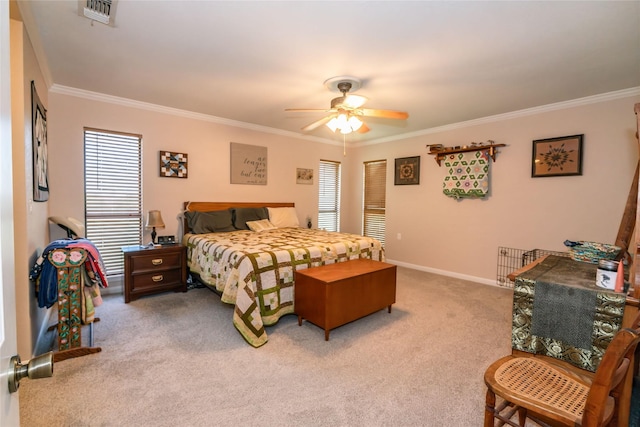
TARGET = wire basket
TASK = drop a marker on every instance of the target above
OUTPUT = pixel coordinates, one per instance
(592, 252)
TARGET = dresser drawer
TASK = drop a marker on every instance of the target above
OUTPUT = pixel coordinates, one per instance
(156, 261)
(156, 279)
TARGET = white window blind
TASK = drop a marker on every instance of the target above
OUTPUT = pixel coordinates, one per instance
(375, 181)
(329, 195)
(113, 196)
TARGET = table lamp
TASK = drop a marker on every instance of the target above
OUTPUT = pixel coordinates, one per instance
(154, 219)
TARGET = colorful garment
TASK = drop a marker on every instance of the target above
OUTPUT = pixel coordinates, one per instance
(44, 274)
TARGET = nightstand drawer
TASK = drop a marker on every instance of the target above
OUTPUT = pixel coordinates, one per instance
(156, 279)
(156, 261)
(149, 271)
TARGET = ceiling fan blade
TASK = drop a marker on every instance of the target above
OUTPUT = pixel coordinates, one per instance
(363, 129)
(309, 110)
(385, 114)
(317, 123)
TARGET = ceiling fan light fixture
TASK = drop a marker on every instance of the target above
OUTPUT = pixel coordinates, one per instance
(354, 101)
(333, 124)
(347, 109)
(355, 123)
(345, 123)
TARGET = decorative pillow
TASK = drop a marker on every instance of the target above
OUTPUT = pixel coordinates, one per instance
(283, 217)
(261, 225)
(242, 215)
(209, 222)
(190, 217)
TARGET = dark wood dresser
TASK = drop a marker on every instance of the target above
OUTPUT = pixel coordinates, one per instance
(150, 271)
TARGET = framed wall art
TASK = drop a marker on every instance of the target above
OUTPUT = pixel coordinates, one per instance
(407, 171)
(248, 164)
(560, 156)
(39, 137)
(304, 176)
(173, 165)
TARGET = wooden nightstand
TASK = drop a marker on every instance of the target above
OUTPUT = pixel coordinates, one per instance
(150, 271)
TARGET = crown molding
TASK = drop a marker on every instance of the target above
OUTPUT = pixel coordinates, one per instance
(609, 96)
(126, 102)
(95, 96)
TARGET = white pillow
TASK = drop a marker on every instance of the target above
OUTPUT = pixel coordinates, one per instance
(261, 225)
(283, 217)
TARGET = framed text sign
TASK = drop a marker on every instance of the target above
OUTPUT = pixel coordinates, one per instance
(248, 164)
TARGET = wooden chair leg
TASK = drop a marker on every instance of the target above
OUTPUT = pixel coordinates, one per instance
(522, 416)
(489, 409)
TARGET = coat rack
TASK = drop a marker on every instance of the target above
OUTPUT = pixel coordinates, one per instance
(442, 152)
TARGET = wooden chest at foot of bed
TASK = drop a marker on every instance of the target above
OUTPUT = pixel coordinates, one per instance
(333, 295)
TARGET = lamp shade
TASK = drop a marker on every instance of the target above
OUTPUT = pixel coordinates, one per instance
(154, 219)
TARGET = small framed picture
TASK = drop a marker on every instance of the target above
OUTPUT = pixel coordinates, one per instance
(407, 171)
(560, 156)
(173, 165)
(304, 176)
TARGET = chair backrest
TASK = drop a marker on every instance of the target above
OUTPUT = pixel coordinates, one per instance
(611, 373)
(73, 227)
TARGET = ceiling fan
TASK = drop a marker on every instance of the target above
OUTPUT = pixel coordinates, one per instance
(346, 112)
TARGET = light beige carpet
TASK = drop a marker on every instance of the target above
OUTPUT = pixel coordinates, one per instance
(176, 359)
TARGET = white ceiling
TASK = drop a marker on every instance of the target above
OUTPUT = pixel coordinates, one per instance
(246, 61)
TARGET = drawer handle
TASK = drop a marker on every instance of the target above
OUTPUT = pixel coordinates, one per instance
(157, 278)
(156, 261)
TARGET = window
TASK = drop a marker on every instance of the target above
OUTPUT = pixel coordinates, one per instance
(112, 194)
(375, 180)
(329, 195)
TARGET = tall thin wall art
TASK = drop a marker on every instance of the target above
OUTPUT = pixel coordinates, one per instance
(39, 136)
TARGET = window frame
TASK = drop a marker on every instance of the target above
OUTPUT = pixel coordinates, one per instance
(374, 199)
(329, 194)
(112, 197)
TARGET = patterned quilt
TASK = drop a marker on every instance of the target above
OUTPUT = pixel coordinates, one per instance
(255, 270)
(468, 175)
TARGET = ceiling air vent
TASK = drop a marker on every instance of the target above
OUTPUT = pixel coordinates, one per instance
(98, 10)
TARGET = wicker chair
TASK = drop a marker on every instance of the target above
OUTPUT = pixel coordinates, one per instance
(549, 394)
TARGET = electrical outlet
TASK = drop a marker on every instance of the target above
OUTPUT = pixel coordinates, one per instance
(399, 236)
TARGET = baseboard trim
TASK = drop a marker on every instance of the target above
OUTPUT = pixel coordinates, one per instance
(484, 281)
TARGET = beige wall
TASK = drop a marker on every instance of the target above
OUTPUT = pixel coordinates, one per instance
(462, 237)
(207, 145)
(30, 218)
(440, 234)
(458, 238)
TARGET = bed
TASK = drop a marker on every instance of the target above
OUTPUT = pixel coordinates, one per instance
(248, 253)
